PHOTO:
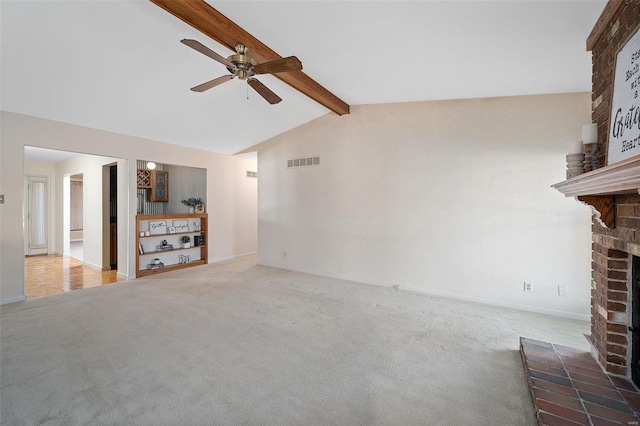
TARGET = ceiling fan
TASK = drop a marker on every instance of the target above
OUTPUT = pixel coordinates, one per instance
(244, 67)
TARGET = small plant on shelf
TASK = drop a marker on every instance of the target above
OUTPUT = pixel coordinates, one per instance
(191, 202)
(186, 241)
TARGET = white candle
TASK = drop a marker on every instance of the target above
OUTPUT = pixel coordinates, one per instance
(590, 133)
(575, 147)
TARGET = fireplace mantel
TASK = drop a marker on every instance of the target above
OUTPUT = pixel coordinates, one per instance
(598, 187)
(619, 178)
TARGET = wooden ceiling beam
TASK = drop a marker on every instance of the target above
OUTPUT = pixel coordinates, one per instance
(201, 16)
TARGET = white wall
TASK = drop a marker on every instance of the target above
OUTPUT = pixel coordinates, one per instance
(449, 198)
(231, 196)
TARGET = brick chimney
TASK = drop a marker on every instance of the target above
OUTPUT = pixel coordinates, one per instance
(613, 192)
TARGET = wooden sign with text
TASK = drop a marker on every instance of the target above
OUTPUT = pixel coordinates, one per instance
(624, 128)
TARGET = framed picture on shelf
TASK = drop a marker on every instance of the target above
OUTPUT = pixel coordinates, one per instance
(172, 230)
(140, 249)
(157, 227)
(181, 225)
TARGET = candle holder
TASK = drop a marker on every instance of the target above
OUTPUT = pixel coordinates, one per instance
(575, 165)
(590, 157)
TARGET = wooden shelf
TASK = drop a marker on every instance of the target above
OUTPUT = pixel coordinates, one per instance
(145, 272)
(170, 251)
(165, 235)
(598, 187)
(619, 178)
(172, 216)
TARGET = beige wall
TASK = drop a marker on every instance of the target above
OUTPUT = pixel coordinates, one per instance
(231, 197)
(449, 198)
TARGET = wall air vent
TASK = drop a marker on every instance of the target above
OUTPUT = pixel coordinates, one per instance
(303, 162)
(251, 174)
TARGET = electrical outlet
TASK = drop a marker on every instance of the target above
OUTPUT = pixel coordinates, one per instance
(562, 290)
(528, 287)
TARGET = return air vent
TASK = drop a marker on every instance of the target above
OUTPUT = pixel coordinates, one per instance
(303, 162)
(251, 174)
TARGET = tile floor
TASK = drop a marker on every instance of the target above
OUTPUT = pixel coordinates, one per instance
(569, 388)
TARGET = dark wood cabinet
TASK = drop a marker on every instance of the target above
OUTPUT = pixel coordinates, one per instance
(159, 186)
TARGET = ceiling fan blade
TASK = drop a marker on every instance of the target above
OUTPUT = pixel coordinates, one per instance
(279, 65)
(213, 83)
(196, 45)
(264, 91)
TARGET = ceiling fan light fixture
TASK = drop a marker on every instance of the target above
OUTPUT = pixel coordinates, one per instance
(151, 165)
(244, 67)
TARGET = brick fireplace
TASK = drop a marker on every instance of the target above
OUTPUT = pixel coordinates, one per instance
(613, 192)
(611, 292)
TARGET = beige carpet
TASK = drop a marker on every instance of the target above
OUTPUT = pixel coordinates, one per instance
(240, 344)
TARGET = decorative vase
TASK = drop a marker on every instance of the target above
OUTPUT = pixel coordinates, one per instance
(191, 210)
(186, 245)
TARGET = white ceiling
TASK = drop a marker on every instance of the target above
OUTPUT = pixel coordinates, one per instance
(119, 65)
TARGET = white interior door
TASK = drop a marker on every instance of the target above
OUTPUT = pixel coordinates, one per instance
(37, 215)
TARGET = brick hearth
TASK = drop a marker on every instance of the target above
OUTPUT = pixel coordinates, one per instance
(569, 388)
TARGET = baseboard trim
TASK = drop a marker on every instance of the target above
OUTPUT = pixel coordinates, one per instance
(500, 304)
(453, 296)
(91, 265)
(12, 300)
(224, 259)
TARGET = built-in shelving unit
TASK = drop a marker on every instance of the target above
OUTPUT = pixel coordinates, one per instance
(149, 242)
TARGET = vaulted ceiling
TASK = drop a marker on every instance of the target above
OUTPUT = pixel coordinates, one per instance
(120, 66)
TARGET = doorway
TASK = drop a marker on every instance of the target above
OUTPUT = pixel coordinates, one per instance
(90, 224)
(76, 216)
(113, 216)
(36, 213)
